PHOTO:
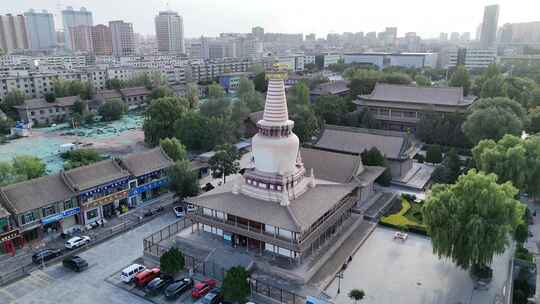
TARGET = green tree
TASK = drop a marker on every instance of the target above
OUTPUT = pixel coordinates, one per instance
(5, 125)
(160, 118)
(534, 120)
(521, 234)
(356, 295)
(493, 87)
(192, 95)
(492, 118)
(245, 87)
(80, 157)
(224, 162)
(13, 98)
(160, 92)
(469, 222)
(260, 82)
(305, 122)
(80, 107)
(363, 81)
(298, 95)
(112, 110)
(239, 114)
(192, 129)
(396, 78)
(235, 285)
(434, 154)
(183, 181)
(460, 78)
(442, 129)
(172, 261)
(332, 109)
(216, 107)
(173, 148)
(28, 166)
(422, 81)
(215, 91)
(114, 84)
(7, 174)
(50, 97)
(373, 157)
(453, 163)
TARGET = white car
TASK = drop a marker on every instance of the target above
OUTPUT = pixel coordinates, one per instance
(190, 207)
(77, 241)
(129, 272)
(179, 211)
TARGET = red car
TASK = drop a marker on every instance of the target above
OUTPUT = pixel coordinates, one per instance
(203, 288)
(142, 278)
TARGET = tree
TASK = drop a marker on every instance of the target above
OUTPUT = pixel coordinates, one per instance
(173, 148)
(332, 109)
(239, 114)
(373, 157)
(245, 87)
(160, 118)
(298, 95)
(460, 78)
(434, 154)
(521, 234)
(13, 98)
(356, 295)
(216, 107)
(7, 174)
(492, 118)
(396, 78)
(112, 110)
(28, 166)
(192, 95)
(80, 107)
(114, 84)
(442, 129)
(469, 222)
(305, 122)
(172, 261)
(224, 162)
(192, 129)
(235, 285)
(183, 181)
(534, 120)
(50, 97)
(453, 163)
(493, 87)
(80, 157)
(260, 82)
(363, 81)
(512, 159)
(422, 81)
(160, 92)
(215, 91)
(5, 125)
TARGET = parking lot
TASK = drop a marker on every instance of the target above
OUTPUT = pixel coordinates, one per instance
(394, 271)
(57, 285)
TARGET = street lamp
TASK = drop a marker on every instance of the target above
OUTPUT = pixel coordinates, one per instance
(339, 275)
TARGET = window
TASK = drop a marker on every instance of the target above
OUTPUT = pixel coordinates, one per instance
(92, 214)
(28, 217)
(49, 211)
(70, 204)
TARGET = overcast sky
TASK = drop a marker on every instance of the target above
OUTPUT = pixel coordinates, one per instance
(211, 17)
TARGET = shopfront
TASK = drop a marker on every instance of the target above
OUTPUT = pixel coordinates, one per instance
(10, 241)
(103, 207)
(70, 218)
(52, 224)
(146, 192)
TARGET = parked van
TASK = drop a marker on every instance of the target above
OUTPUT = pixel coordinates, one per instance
(129, 272)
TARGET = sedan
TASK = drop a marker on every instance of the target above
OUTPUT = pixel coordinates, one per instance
(158, 284)
(203, 288)
(75, 263)
(45, 255)
(77, 241)
(178, 211)
(178, 287)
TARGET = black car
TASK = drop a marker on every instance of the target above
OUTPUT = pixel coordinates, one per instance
(45, 255)
(158, 284)
(178, 287)
(75, 263)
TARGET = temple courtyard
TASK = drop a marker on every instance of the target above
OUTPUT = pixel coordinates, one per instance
(393, 271)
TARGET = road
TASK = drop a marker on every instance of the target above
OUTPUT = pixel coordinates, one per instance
(56, 285)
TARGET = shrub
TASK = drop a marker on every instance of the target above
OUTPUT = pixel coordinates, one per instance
(172, 261)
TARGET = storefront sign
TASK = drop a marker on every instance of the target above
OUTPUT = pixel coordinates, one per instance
(227, 237)
(9, 235)
(149, 186)
(107, 199)
(71, 212)
(52, 218)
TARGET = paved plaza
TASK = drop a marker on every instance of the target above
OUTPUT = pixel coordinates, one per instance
(391, 271)
(56, 285)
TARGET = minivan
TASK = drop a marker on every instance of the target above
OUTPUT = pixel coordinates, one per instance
(129, 272)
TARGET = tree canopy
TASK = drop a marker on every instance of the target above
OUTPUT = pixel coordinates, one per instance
(80, 157)
(224, 162)
(460, 78)
(112, 110)
(13, 98)
(235, 285)
(332, 109)
(183, 181)
(160, 118)
(470, 221)
(172, 261)
(422, 81)
(173, 148)
(442, 129)
(373, 157)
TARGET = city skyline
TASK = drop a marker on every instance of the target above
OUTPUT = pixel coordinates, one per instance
(293, 17)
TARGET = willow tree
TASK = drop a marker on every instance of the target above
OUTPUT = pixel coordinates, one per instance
(471, 221)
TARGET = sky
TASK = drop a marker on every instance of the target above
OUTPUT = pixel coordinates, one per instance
(210, 17)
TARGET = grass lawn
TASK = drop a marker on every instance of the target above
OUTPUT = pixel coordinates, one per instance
(409, 217)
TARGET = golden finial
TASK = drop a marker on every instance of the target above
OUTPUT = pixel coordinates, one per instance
(278, 71)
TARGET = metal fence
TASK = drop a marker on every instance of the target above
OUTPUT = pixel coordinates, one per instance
(276, 293)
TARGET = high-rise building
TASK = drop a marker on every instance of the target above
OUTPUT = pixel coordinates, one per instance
(525, 32)
(454, 36)
(123, 39)
(311, 37)
(72, 18)
(170, 32)
(465, 37)
(40, 26)
(258, 33)
(102, 40)
(81, 38)
(443, 37)
(488, 35)
(13, 33)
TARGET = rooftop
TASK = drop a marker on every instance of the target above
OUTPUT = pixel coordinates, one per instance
(393, 145)
(21, 197)
(39, 103)
(418, 95)
(332, 88)
(136, 91)
(145, 162)
(93, 175)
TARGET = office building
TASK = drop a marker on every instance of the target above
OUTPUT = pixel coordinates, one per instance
(13, 33)
(521, 33)
(81, 38)
(123, 39)
(443, 37)
(383, 60)
(454, 37)
(102, 40)
(40, 26)
(170, 32)
(72, 18)
(488, 35)
(471, 58)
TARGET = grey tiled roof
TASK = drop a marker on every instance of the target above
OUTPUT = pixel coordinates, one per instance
(331, 166)
(35, 193)
(136, 91)
(108, 94)
(93, 175)
(145, 162)
(39, 103)
(297, 217)
(335, 87)
(413, 94)
(356, 140)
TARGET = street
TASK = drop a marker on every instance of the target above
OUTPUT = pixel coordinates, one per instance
(58, 285)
